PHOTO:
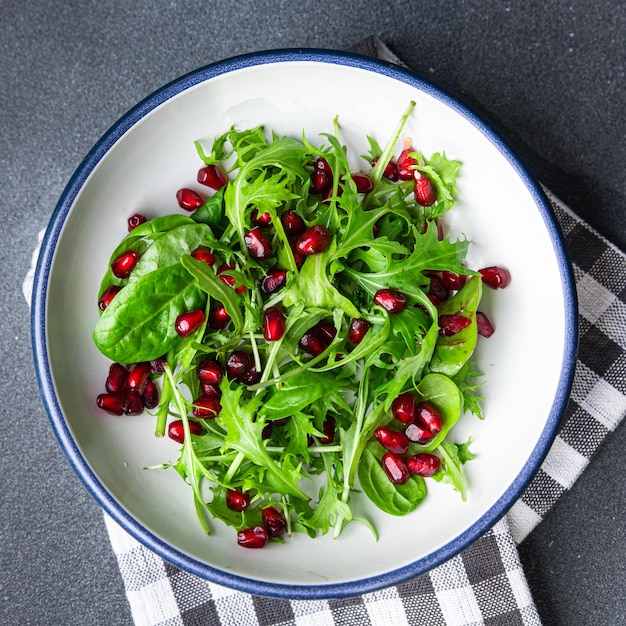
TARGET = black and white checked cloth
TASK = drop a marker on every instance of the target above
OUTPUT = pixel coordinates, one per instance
(485, 584)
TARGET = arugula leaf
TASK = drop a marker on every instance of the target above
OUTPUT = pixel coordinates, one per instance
(453, 456)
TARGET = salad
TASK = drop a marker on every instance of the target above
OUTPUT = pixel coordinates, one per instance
(303, 330)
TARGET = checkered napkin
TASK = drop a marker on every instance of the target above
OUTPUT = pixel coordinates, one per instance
(485, 584)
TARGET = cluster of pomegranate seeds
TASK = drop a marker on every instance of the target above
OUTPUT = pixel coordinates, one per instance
(128, 390)
(274, 525)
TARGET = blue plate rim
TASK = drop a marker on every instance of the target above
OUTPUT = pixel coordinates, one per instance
(79, 463)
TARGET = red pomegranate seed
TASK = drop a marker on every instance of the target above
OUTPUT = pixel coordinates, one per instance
(452, 281)
(313, 240)
(218, 318)
(237, 364)
(404, 406)
(188, 199)
(176, 431)
(495, 277)
(263, 220)
(137, 375)
(136, 220)
(363, 182)
(273, 323)
(317, 338)
(227, 279)
(392, 440)
(328, 428)
(273, 521)
(237, 500)
(209, 372)
(293, 224)
(418, 434)
(189, 322)
(429, 416)
(322, 165)
(406, 164)
(258, 244)
(134, 403)
(357, 330)
(424, 190)
(391, 170)
(211, 390)
(391, 300)
(438, 289)
(202, 253)
(484, 325)
(452, 324)
(157, 366)
(321, 182)
(107, 296)
(395, 468)
(206, 407)
(423, 464)
(116, 379)
(150, 395)
(124, 264)
(274, 280)
(212, 176)
(254, 537)
(113, 403)
(252, 376)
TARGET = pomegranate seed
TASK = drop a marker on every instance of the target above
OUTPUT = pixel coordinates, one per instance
(136, 220)
(116, 379)
(429, 416)
(328, 428)
(293, 224)
(134, 403)
(453, 281)
(274, 280)
(273, 323)
(238, 364)
(206, 407)
(418, 434)
(423, 464)
(124, 264)
(495, 277)
(273, 521)
(258, 244)
(391, 300)
(138, 374)
(317, 338)
(202, 253)
(322, 165)
(264, 219)
(189, 322)
(209, 372)
(406, 164)
(363, 182)
(321, 182)
(254, 537)
(212, 176)
(237, 500)
(226, 278)
(395, 468)
(218, 318)
(484, 325)
(150, 395)
(176, 431)
(392, 440)
(252, 376)
(440, 233)
(358, 329)
(157, 366)
(107, 296)
(424, 190)
(438, 289)
(113, 403)
(403, 407)
(452, 324)
(211, 390)
(313, 240)
(188, 199)
(391, 170)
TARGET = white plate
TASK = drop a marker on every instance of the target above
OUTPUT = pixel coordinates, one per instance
(138, 166)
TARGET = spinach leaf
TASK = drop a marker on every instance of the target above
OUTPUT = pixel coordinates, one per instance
(139, 324)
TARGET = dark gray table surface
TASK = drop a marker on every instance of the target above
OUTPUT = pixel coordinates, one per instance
(548, 76)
